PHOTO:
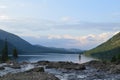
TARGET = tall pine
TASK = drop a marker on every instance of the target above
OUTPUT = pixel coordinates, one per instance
(15, 53)
(4, 56)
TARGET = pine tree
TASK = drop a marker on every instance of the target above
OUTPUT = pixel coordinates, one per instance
(4, 56)
(118, 57)
(15, 53)
(114, 59)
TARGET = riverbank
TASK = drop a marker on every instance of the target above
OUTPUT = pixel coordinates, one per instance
(46, 70)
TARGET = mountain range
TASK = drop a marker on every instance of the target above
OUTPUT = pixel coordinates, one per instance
(106, 50)
(25, 47)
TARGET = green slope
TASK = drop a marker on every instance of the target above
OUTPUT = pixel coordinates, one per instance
(106, 50)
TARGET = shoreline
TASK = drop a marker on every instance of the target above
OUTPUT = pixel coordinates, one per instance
(89, 70)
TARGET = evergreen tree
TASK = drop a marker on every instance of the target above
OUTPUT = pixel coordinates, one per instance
(15, 53)
(118, 57)
(4, 56)
(114, 59)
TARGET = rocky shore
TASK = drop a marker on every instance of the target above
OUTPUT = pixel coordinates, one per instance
(62, 65)
(46, 70)
(33, 73)
(30, 75)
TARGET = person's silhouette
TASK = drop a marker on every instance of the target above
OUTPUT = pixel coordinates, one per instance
(79, 57)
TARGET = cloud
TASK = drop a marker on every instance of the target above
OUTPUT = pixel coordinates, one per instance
(90, 25)
(23, 25)
(69, 20)
(67, 35)
(82, 42)
(69, 41)
(4, 17)
(3, 6)
(47, 25)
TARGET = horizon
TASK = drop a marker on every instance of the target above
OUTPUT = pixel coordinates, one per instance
(63, 23)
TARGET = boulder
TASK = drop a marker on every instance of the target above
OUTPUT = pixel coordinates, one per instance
(99, 65)
(115, 69)
(2, 68)
(15, 66)
(65, 65)
(38, 69)
(29, 76)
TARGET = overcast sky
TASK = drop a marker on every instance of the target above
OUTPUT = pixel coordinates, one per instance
(82, 24)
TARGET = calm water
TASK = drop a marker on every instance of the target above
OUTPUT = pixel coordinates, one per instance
(54, 57)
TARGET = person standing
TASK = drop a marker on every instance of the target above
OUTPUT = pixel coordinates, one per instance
(80, 58)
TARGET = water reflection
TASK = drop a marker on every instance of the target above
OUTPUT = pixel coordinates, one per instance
(85, 59)
(55, 57)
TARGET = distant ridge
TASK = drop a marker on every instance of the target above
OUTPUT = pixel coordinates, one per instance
(24, 46)
(106, 50)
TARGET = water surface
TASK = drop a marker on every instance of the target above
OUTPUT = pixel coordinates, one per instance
(55, 57)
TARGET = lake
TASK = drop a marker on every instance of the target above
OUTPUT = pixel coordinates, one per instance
(54, 57)
(61, 74)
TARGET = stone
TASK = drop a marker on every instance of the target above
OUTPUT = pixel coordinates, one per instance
(38, 69)
(2, 68)
(63, 65)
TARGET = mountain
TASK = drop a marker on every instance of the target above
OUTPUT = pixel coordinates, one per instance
(75, 50)
(106, 50)
(60, 50)
(23, 46)
(18, 42)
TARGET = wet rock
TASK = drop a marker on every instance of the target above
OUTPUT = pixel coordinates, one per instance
(115, 69)
(43, 62)
(24, 63)
(13, 64)
(38, 69)
(99, 65)
(94, 63)
(93, 70)
(62, 65)
(72, 77)
(29, 76)
(2, 68)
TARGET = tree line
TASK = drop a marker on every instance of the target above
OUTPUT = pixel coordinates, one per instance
(4, 55)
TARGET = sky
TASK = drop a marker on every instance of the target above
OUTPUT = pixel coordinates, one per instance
(82, 24)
